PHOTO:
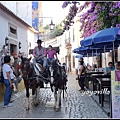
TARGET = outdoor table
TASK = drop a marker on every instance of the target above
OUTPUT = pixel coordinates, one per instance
(103, 83)
(88, 76)
(94, 72)
(95, 82)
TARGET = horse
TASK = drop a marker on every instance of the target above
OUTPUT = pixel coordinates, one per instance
(33, 79)
(57, 82)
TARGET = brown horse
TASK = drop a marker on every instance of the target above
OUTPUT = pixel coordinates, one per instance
(32, 79)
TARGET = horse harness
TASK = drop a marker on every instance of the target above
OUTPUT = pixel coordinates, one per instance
(28, 72)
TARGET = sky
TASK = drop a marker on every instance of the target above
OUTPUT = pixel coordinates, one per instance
(53, 9)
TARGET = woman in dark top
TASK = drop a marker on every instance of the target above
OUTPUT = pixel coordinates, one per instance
(81, 75)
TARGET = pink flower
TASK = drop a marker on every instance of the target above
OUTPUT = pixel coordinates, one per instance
(119, 32)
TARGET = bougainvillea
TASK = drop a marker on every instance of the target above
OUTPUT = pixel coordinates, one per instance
(72, 13)
(98, 15)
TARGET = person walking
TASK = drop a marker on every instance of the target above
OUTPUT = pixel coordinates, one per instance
(16, 71)
(8, 78)
(81, 75)
(80, 59)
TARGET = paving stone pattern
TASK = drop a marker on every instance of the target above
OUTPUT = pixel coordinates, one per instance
(74, 105)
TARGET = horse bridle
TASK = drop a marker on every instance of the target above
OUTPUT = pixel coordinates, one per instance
(27, 72)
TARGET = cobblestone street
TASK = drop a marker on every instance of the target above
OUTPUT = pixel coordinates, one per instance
(74, 105)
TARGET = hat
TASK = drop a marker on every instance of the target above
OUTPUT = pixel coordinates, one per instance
(39, 41)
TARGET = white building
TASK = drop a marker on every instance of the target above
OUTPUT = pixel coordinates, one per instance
(22, 9)
(16, 30)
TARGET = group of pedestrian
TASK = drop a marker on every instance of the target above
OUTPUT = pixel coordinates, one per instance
(10, 74)
(82, 68)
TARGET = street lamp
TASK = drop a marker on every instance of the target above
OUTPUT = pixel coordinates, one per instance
(6, 41)
(19, 45)
(51, 28)
(52, 25)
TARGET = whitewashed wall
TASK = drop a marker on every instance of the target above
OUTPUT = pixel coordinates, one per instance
(11, 5)
(22, 32)
(4, 28)
(21, 9)
(24, 11)
(63, 50)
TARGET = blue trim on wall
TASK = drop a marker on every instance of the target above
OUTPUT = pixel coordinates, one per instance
(34, 5)
(35, 23)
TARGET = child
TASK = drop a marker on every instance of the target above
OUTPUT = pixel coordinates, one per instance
(51, 53)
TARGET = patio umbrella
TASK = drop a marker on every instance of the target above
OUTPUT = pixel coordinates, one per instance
(89, 51)
(106, 38)
(88, 41)
(85, 55)
(79, 56)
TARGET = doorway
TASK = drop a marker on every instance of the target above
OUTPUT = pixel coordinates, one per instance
(13, 48)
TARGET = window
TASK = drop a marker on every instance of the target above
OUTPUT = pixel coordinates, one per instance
(12, 30)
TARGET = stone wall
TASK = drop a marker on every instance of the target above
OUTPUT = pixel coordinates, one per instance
(2, 89)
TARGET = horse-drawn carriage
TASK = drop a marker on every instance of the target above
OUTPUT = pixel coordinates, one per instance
(33, 76)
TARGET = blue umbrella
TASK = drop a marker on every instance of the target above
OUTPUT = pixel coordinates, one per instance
(80, 49)
(103, 37)
(89, 50)
(106, 38)
(88, 41)
(86, 55)
(79, 56)
(106, 35)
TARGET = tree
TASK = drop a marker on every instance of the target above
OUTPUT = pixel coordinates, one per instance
(57, 32)
(98, 15)
(72, 13)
